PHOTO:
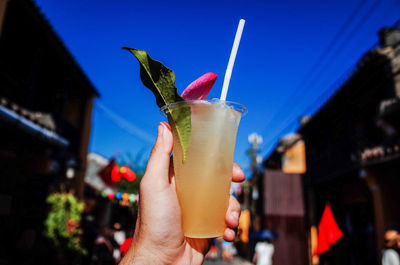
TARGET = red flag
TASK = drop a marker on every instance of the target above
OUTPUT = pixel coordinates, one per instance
(110, 173)
(127, 173)
(329, 232)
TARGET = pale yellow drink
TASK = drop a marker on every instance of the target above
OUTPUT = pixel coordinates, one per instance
(203, 181)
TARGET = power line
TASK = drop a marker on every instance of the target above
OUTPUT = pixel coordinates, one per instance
(334, 87)
(336, 84)
(346, 40)
(331, 88)
(322, 57)
(125, 125)
(350, 35)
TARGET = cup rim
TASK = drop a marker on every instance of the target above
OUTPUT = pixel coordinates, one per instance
(233, 105)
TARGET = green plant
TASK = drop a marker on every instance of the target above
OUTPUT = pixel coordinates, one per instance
(62, 223)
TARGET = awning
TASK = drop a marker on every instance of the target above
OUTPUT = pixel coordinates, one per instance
(32, 128)
(380, 154)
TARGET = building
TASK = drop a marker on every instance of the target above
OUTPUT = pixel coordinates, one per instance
(283, 204)
(46, 103)
(352, 155)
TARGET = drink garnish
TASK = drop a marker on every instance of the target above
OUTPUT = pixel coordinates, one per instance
(200, 88)
(161, 81)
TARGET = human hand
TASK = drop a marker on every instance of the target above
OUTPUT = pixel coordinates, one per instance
(158, 237)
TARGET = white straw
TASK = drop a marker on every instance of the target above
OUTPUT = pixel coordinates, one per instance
(232, 58)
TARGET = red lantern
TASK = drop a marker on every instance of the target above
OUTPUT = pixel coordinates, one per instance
(110, 196)
(105, 173)
(110, 173)
(115, 175)
(127, 173)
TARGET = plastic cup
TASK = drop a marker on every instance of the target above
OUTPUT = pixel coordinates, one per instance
(203, 180)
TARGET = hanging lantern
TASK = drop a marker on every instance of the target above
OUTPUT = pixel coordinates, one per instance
(110, 196)
(118, 195)
(132, 198)
(127, 173)
(125, 196)
(115, 175)
(110, 173)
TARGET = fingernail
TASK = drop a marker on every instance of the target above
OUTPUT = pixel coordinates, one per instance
(166, 125)
(166, 128)
(161, 129)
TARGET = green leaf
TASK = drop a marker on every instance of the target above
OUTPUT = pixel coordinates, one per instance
(161, 81)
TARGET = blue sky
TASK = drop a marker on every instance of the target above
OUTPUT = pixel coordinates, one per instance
(290, 54)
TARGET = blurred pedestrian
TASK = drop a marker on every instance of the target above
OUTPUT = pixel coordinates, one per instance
(263, 253)
(228, 251)
(103, 250)
(89, 227)
(158, 237)
(119, 234)
(391, 252)
(213, 252)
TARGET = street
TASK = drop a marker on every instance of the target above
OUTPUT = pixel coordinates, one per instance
(236, 261)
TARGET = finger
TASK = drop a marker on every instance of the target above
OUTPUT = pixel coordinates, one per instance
(232, 215)
(159, 162)
(237, 173)
(229, 234)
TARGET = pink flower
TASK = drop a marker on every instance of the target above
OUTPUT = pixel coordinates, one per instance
(200, 88)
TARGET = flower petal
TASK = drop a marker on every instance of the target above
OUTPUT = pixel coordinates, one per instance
(200, 88)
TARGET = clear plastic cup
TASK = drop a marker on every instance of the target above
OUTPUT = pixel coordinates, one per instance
(203, 180)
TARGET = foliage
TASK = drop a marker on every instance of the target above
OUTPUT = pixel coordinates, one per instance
(129, 186)
(62, 223)
(161, 81)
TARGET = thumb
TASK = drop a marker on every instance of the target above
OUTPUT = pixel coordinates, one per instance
(158, 165)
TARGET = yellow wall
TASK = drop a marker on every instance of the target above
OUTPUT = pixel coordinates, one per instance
(294, 159)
